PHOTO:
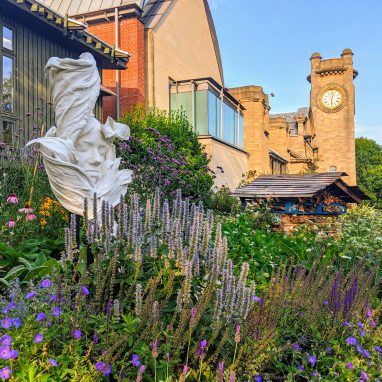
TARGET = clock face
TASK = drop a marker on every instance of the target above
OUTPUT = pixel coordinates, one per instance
(331, 99)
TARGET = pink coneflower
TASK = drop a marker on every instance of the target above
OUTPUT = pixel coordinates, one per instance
(11, 223)
(237, 334)
(221, 371)
(27, 209)
(30, 216)
(12, 199)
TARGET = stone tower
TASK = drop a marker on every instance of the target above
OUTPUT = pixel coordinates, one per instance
(333, 106)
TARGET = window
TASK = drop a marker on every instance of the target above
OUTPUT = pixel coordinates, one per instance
(7, 71)
(293, 129)
(7, 85)
(7, 38)
(6, 132)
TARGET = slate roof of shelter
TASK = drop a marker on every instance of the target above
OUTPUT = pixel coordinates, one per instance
(297, 186)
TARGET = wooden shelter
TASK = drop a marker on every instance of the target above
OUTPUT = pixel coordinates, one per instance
(31, 33)
(298, 198)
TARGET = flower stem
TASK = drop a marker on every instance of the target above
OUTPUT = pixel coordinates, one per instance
(188, 346)
(200, 370)
(155, 369)
(234, 355)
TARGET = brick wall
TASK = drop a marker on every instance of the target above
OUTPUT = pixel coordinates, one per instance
(132, 80)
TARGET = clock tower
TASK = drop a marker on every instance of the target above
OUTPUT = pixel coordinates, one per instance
(332, 104)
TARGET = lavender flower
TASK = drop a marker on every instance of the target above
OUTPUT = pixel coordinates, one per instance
(38, 338)
(221, 371)
(366, 353)
(359, 349)
(350, 366)
(364, 376)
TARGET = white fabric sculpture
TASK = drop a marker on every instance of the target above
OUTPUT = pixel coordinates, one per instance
(78, 152)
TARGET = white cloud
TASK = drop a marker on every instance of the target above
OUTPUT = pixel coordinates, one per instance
(214, 4)
(372, 132)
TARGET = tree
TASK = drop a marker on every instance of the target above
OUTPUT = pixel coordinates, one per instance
(369, 168)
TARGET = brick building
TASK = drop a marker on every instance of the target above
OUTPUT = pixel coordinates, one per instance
(175, 64)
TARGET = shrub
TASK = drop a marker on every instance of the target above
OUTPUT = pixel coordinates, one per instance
(164, 152)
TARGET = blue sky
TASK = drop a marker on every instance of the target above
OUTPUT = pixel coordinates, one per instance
(269, 43)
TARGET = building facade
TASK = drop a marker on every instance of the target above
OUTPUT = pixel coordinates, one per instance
(175, 64)
(30, 34)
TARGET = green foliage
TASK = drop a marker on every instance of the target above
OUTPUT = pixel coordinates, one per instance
(163, 151)
(222, 202)
(30, 259)
(369, 169)
(361, 235)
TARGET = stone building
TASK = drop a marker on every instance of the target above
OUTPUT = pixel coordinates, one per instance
(175, 64)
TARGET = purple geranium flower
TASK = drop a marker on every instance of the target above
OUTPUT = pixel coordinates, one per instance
(56, 311)
(360, 325)
(5, 372)
(301, 368)
(378, 349)
(85, 290)
(40, 316)
(312, 360)
(14, 354)
(6, 323)
(53, 362)
(366, 353)
(107, 369)
(99, 366)
(258, 378)
(6, 340)
(296, 347)
(350, 366)
(135, 360)
(364, 376)
(351, 341)
(16, 322)
(77, 334)
(30, 295)
(359, 349)
(5, 352)
(46, 283)
(38, 338)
